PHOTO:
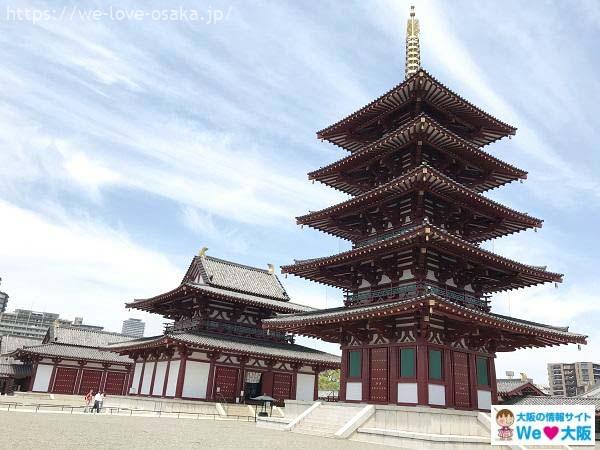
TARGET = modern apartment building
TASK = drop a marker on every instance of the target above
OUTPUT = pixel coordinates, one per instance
(133, 327)
(34, 324)
(572, 379)
(3, 299)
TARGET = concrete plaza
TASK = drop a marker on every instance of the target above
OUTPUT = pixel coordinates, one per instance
(24, 431)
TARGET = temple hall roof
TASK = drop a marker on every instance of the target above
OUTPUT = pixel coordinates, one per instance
(219, 293)
(235, 277)
(554, 400)
(82, 337)
(71, 352)
(206, 340)
(513, 386)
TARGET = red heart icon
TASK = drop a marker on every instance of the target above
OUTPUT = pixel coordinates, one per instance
(551, 432)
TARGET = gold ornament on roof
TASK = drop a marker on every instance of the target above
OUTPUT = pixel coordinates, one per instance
(413, 50)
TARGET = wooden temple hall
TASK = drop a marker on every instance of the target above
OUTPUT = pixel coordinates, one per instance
(417, 327)
(216, 348)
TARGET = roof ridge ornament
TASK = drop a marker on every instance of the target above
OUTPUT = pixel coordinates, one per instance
(271, 269)
(413, 50)
(202, 252)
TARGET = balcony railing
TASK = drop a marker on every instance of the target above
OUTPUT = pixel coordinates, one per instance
(383, 236)
(415, 289)
(229, 328)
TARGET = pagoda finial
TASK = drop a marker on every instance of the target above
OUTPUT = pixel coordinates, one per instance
(413, 51)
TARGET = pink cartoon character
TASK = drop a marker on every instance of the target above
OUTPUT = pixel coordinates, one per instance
(505, 418)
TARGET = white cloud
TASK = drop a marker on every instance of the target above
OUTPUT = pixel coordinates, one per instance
(76, 267)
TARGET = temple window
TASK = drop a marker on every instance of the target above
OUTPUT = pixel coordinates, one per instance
(483, 377)
(354, 364)
(407, 362)
(435, 364)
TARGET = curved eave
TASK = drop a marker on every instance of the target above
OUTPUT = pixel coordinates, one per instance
(428, 130)
(152, 304)
(300, 323)
(438, 183)
(435, 237)
(19, 353)
(173, 340)
(435, 93)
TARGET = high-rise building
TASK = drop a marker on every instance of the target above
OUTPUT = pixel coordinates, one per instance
(133, 327)
(35, 324)
(571, 379)
(3, 299)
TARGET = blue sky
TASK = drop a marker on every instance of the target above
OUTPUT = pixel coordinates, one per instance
(127, 145)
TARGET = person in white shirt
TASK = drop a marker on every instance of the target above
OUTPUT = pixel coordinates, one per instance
(97, 400)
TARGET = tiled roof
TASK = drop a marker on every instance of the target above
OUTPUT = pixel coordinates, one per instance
(237, 344)
(83, 337)
(236, 297)
(436, 93)
(9, 343)
(15, 370)
(508, 385)
(437, 237)
(534, 400)
(74, 352)
(347, 314)
(238, 277)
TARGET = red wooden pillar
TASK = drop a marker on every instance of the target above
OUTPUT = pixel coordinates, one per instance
(493, 383)
(343, 375)
(449, 376)
(422, 372)
(125, 388)
(366, 367)
(183, 354)
(105, 366)
(53, 376)
(473, 380)
(210, 384)
(155, 355)
(267, 379)
(317, 370)
(293, 387)
(35, 362)
(240, 381)
(169, 354)
(79, 376)
(393, 375)
(139, 387)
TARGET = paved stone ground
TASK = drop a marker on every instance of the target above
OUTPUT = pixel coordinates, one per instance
(25, 431)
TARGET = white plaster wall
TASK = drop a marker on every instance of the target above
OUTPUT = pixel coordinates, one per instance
(196, 379)
(354, 391)
(484, 399)
(305, 387)
(147, 378)
(42, 377)
(172, 381)
(437, 394)
(407, 393)
(137, 371)
(159, 378)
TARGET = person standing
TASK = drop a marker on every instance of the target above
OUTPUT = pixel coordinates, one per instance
(97, 400)
(88, 400)
(102, 400)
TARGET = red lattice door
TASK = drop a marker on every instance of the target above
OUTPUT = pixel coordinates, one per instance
(64, 381)
(379, 375)
(115, 382)
(90, 380)
(225, 383)
(282, 386)
(462, 389)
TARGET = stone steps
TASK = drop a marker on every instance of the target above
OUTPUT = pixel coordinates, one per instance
(326, 420)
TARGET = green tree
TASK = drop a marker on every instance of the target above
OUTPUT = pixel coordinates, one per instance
(329, 380)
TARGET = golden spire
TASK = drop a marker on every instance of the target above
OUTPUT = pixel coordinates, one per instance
(413, 51)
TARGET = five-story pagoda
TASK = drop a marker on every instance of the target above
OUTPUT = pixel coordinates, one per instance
(416, 327)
